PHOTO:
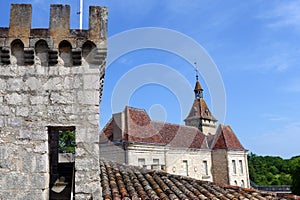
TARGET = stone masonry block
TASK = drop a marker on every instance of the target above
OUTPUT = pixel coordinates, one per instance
(2, 85)
(14, 122)
(91, 82)
(53, 84)
(61, 98)
(38, 181)
(1, 121)
(33, 83)
(87, 163)
(92, 188)
(87, 135)
(41, 148)
(16, 99)
(4, 110)
(87, 149)
(88, 97)
(38, 100)
(14, 84)
(14, 180)
(22, 111)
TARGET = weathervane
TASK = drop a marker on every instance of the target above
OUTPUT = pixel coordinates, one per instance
(196, 69)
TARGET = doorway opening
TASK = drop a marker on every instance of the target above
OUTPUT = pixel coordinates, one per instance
(62, 163)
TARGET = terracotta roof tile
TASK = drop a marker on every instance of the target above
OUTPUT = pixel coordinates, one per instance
(226, 139)
(140, 128)
(121, 181)
(107, 132)
(198, 86)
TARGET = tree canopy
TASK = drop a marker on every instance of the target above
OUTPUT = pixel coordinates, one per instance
(66, 142)
(273, 170)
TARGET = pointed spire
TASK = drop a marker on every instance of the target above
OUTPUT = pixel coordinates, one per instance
(198, 89)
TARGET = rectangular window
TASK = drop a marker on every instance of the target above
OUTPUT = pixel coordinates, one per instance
(205, 167)
(241, 166)
(141, 162)
(155, 164)
(185, 167)
(234, 166)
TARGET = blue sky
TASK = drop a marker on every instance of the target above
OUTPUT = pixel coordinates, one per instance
(254, 44)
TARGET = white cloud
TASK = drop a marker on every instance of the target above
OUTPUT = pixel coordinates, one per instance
(284, 13)
(278, 63)
(274, 117)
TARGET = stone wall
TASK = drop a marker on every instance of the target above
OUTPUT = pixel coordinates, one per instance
(112, 151)
(220, 166)
(38, 92)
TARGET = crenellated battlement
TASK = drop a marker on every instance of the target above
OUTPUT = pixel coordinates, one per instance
(71, 45)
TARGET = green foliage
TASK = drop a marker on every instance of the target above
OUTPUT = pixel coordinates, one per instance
(271, 170)
(66, 143)
(296, 177)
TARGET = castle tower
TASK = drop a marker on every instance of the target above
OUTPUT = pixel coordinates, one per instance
(200, 115)
(50, 83)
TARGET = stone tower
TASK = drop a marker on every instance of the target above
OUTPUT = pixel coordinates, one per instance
(50, 81)
(200, 115)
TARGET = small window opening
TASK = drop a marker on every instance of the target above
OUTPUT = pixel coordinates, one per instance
(41, 50)
(242, 184)
(234, 166)
(241, 166)
(65, 52)
(185, 167)
(17, 50)
(205, 168)
(61, 156)
(142, 162)
(89, 51)
(155, 164)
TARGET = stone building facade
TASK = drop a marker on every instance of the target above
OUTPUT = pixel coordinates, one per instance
(198, 149)
(50, 81)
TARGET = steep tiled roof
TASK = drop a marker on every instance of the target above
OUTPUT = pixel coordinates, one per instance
(200, 105)
(226, 139)
(198, 86)
(107, 132)
(140, 128)
(120, 181)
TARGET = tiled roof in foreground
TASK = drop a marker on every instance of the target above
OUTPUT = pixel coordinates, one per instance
(128, 182)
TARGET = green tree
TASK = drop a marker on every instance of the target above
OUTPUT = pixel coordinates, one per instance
(296, 180)
(271, 170)
(66, 142)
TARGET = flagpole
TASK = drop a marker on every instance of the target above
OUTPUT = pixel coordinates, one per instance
(80, 14)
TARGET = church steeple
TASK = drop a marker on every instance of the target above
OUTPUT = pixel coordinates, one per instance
(200, 115)
(198, 89)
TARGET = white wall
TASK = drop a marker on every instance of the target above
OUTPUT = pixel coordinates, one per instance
(239, 176)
